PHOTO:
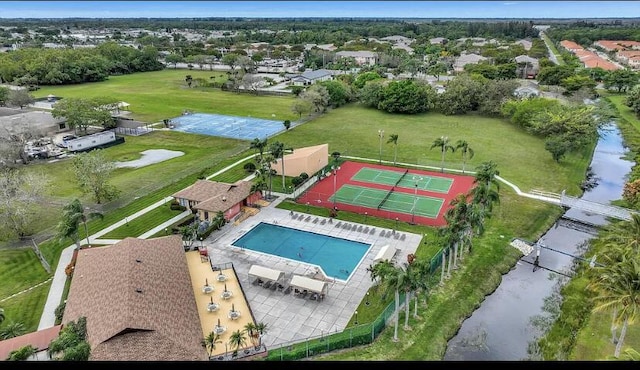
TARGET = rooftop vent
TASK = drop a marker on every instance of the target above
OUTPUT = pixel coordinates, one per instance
(138, 290)
(139, 261)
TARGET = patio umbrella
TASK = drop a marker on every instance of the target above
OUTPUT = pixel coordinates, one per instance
(233, 308)
(211, 299)
(225, 287)
(218, 321)
(206, 282)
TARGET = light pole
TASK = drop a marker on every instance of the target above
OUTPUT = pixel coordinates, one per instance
(380, 135)
(356, 321)
(365, 216)
(415, 198)
(396, 223)
(335, 169)
(366, 303)
(307, 207)
(200, 242)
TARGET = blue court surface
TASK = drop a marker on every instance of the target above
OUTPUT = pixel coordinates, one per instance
(243, 128)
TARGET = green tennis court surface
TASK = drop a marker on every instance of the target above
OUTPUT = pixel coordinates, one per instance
(396, 202)
(399, 179)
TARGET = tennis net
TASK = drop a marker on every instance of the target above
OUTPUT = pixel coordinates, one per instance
(386, 197)
(401, 177)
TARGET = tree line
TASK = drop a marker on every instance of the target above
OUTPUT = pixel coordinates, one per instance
(37, 66)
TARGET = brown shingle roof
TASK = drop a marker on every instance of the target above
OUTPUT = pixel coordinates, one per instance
(213, 196)
(138, 300)
(39, 339)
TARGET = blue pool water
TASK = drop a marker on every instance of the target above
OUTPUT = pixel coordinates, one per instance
(243, 128)
(336, 256)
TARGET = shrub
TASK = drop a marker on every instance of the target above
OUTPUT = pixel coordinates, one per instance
(249, 167)
(304, 176)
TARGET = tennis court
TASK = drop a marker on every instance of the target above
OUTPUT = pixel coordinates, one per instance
(235, 127)
(403, 179)
(388, 200)
(376, 190)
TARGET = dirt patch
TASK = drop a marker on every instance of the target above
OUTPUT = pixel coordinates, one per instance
(150, 156)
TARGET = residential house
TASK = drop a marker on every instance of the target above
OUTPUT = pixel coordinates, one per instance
(464, 59)
(138, 301)
(437, 40)
(593, 60)
(571, 46)
(613, 45)
(528, 67)
(38, 339)
(309, 77)
(526, 44)
(361, 57)
(206, 198)
(629, 57)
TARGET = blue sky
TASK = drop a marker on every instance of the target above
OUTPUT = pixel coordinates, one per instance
(394, 9)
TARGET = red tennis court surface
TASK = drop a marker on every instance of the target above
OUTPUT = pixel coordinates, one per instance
(319, 194)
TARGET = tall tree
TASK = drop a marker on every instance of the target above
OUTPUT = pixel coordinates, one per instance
(393, 138)
(259, 146)
(80, 113)
(443, 143)
(237, 339)
(210, 342)
(618, 287)
(92, 171)
(21, 194)
(72, 215)
(465, 149)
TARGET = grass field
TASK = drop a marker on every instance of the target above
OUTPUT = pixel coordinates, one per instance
(521, 158)
(157, 95)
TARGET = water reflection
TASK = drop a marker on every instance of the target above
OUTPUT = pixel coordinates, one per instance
(509, 319)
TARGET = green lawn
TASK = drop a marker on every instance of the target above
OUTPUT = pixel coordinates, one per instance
(144, 223)
(352, 130)
(157, 95)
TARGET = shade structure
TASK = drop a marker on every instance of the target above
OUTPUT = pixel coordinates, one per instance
(312, 285)
(386, 253)
(265, 273)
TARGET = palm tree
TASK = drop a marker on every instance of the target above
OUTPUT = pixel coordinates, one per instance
(259, 146)
(72, 214)
(618, 288)
(396, 280)
(250, 329)
(278, 150)
(467, 152)
(393, 138)
(237, 340)
(486, 172)
(12, 330)
(443, 143)
(210, 342)
(261, 328)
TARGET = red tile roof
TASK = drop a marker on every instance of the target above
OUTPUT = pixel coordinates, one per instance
(138, 300)
(39, 339)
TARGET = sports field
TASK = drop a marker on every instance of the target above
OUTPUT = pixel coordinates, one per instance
(419, 205)
(409, 195)
(400, 179)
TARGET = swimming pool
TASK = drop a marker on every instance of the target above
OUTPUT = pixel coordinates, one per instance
(337, 257)
(235, 127)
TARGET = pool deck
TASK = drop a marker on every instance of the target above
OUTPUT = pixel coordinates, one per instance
(289, 318)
